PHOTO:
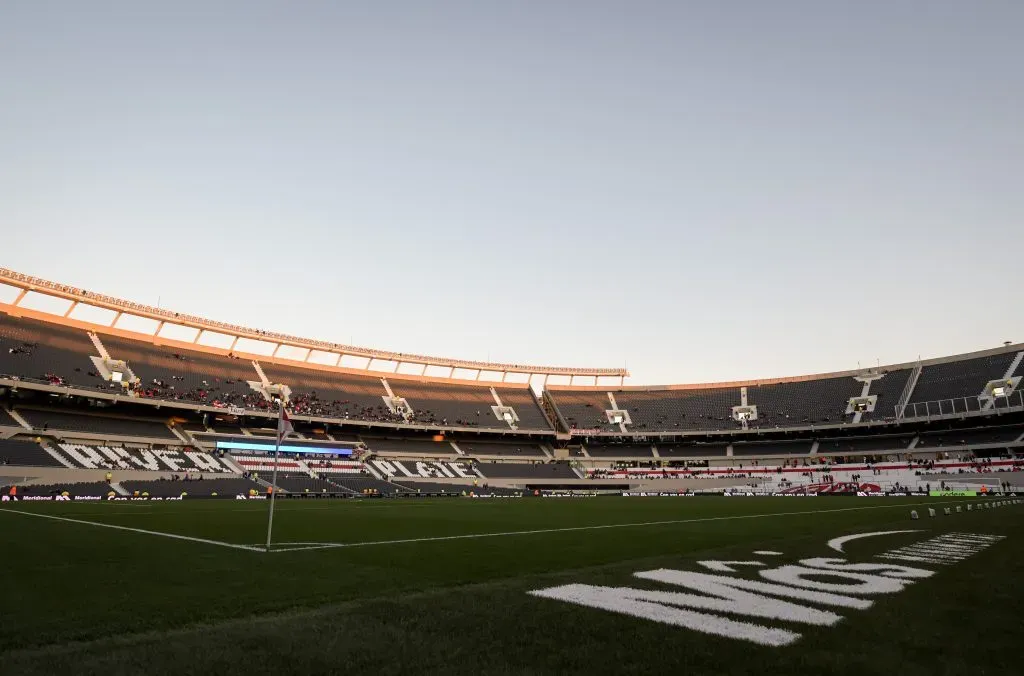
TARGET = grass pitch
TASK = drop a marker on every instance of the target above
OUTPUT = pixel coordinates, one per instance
(441, 586)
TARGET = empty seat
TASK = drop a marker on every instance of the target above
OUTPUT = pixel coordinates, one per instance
(26, 453)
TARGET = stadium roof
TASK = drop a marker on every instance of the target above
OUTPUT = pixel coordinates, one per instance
(77, 296)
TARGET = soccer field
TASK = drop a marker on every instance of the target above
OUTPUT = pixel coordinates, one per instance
(443, 586)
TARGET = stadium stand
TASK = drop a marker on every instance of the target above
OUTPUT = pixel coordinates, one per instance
(93, 488)
(425, 447)
(955, 381)
(807, 402)
(963, 437)
(682, 409)
(449, 404)
(178, 459)
(864, 444)
(198, 488)
(188, 375)
(6, 420)
(303, 483)
(619, 450)
(767, 448)
(511, 470)
(47, 353)
(227, 427)
(42, 419)
(363, 484)
(526, 406)
(692, 450)
(487, 448)
(321, 393)
(457, 489)
(584, 409)
(888, 389)
(25, 453)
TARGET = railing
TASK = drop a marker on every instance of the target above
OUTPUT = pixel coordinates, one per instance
(957, 406)
(908, 390)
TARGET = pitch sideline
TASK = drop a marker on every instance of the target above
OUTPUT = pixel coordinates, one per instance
(291, 547)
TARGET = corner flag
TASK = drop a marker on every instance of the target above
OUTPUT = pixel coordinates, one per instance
(284, 426)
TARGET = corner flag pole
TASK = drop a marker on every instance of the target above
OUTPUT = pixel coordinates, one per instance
(273, 479)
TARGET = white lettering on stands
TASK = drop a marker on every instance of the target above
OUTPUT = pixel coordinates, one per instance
(425, 469)
(205, 461)
(169, 458)
(89, 457)
(84, 455)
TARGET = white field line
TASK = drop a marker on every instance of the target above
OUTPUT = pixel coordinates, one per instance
(470, 536)
(373, 543)
(135, 530)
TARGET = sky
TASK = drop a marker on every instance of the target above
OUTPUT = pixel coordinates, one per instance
(696, 190)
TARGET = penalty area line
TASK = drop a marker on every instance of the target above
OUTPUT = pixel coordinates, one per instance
(569, 529)
(173, 536)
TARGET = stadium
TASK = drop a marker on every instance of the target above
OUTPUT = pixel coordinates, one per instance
(511, 337)
(162, 453)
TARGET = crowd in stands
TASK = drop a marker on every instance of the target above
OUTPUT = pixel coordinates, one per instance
(215, 394)
(309, 403)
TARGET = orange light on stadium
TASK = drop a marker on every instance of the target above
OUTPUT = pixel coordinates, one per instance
(438, 437)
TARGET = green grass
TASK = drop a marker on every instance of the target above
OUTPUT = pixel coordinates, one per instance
(75, 598)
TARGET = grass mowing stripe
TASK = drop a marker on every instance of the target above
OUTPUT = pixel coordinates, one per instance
(469, 536)
(136, 638)
(135, 530)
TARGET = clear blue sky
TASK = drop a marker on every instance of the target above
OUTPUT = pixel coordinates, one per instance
(699, 190)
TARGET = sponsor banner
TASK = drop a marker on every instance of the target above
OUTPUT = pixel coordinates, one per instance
(658, 494)
(953, 494)
(84, 498)
(768, 600)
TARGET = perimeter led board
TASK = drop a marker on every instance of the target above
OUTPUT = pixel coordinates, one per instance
(285, 448)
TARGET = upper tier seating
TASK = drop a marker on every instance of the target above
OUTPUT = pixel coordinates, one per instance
(95, 424)
(888, 388)
(188, 375)
(26, 453)
(332, 394)
(585, 409)
(524, 402)
(448, 404)
(808, 402)
(47, 353)
(513, 470)
(684, 409)
(959, 381)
